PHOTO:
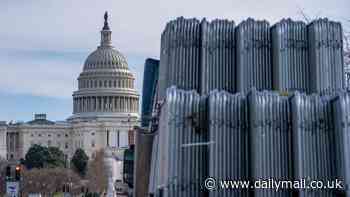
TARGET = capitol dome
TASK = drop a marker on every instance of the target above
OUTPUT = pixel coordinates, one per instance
(105, 58)
(106, 85)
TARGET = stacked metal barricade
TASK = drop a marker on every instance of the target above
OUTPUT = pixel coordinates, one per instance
(341, 112)
(326, 56)
(254, 67)
(270, 138)
(180, 56)
(224, 121)
(154, 171)
(290, 56)
(218, 56)
(313, 142)
(179, 151)
(228, 138)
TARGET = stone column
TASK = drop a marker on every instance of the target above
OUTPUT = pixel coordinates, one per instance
(91, 109)
(79, 105)
(95, 106)
(127, 104)
(128, 108)
(117, 103)
(102, 103)
(87, 104)
(84, 104)
(113, 104)
(73, 105)
(91, 104)
(124, 104)
(134, 104)
(108, 103)
(91, 101)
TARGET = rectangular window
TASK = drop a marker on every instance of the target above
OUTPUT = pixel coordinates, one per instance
(124, 139)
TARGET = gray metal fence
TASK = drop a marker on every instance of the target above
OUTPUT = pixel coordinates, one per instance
(228, 140)
(290, 56)
(254, 67)
(265, 135)
(313, 142)
(261, 136)
(154, 169)
(270, 140)
(181, 154)
(218, 56)
(325, 55)
(341, 112)
(180, 55)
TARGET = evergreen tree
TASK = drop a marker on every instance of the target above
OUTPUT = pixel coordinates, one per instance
(43, 157)
(80, 161)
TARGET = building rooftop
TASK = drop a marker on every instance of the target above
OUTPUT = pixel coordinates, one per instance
(40, 119)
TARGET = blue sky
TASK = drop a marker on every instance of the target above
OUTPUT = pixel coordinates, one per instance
(43, 44)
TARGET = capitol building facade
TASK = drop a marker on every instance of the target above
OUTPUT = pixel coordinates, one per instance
(105, 109)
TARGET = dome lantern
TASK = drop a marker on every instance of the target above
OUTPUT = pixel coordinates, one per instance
(106, 33)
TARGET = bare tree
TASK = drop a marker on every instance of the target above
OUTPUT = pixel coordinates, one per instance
(96, 174)
(347, 47)
(3, 164)
(48, 180)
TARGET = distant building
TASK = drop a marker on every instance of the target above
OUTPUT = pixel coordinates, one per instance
(105, 108)
(347, 76)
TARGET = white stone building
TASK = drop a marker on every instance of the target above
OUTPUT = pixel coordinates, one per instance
(105, 108)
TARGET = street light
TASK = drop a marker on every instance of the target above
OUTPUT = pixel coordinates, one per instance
(18, 173)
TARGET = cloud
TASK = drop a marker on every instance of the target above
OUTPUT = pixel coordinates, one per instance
(48, 73)
(45, 75)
